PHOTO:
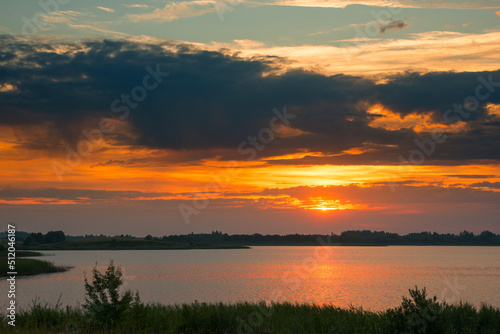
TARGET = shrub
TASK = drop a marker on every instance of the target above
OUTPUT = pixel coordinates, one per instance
(417, 314)
(103, 302)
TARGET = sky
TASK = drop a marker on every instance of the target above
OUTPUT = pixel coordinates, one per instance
(171, 117)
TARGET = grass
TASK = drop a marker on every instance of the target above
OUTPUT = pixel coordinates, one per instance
(21, 253)
(25, 253)
(121, 243)
(418, 314)
(26, 267)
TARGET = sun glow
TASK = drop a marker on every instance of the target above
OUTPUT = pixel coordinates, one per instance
(320, 204)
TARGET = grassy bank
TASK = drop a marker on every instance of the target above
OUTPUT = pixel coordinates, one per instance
(25, 267)
(23, 254)
(120, 243)
(418, 314)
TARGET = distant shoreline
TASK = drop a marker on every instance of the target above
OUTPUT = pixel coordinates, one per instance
(231, 247)
(122, 243)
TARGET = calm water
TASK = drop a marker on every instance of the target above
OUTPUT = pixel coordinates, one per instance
(372, 277)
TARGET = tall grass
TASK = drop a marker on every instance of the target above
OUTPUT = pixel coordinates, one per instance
(417, 314)
(30, 267)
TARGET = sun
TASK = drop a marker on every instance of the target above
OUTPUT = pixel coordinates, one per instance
(320, 204)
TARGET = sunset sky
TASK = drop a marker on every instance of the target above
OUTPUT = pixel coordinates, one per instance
(171, 117)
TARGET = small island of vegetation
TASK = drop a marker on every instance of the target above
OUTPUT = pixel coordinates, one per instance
(26, 267)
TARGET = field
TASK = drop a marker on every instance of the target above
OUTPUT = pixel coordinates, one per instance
(120, 243)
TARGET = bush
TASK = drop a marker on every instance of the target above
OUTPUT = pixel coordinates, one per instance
(417, 314)
(103, 302)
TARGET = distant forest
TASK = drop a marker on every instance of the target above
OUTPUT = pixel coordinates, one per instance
(355, 237)
(347, 237)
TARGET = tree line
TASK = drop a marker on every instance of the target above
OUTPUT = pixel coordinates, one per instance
(346, 237)
(366, 237)
(49, 238)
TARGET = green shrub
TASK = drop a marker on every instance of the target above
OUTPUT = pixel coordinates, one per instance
(103, 302)
(417, 314)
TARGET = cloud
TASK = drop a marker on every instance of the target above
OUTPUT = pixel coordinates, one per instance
(9, 193)
(95, 29)
(498, 13)
(137, 6)
(247, 43)
(485, 184)
(380, 195)
(429, 51)
(477, 176)
(376, 197)
(109, 10)
(212, 101)
(66, 17)
(390, 24)
(176, 10)
(453, 4)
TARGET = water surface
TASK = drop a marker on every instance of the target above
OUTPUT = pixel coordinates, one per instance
(372, 277)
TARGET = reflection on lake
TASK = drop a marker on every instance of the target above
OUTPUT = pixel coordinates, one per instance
(372, 277)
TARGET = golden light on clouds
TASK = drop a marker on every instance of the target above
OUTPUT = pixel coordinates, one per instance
(320, 204)
(386, 119)
(420, 52)
(493, 109)
(7, 87)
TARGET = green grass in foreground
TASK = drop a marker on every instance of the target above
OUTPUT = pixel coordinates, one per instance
(120, 243)
(418, 314)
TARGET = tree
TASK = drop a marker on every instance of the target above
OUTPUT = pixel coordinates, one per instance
(103, 301)
(149, 237)
(54, 236)
(30, 241)
(487, 237)
(38, 237)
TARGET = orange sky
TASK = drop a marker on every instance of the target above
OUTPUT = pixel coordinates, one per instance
(369, 144)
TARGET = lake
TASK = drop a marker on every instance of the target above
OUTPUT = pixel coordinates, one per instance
(372, 277)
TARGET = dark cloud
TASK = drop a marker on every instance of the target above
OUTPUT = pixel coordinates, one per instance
(9, 193)
(381, 194)
(214, 100)
(391, 24)
(476, 176)
(377, 193)
(486, 184)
